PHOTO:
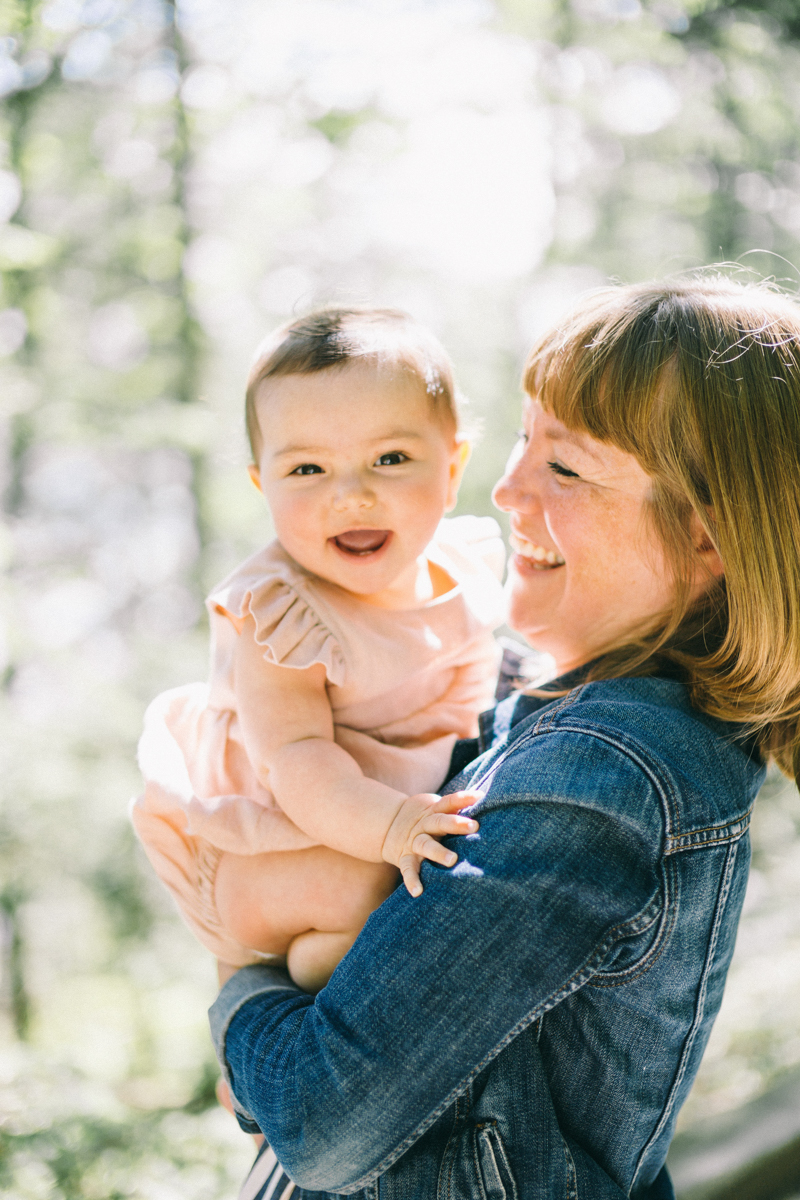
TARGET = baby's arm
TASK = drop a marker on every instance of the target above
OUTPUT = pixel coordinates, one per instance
(287, 728)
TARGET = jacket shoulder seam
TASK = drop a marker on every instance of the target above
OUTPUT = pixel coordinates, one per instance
(676, 838)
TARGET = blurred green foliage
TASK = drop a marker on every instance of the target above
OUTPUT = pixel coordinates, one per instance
(174, 181)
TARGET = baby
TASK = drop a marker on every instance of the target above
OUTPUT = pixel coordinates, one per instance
(347, 656)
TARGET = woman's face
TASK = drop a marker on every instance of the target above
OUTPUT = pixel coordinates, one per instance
(587, 567)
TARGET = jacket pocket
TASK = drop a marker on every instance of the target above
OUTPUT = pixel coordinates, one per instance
(491, 1160)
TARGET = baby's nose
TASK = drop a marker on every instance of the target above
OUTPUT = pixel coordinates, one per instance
(354, 492)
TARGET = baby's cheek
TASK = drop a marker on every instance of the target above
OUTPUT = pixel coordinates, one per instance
(294, 520)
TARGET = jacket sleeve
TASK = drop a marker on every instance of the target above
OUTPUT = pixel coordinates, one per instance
(565, 865)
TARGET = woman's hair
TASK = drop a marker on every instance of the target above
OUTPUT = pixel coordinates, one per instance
(333, 337)
(699, 379)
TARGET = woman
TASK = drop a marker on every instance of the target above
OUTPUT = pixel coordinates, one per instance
(530, 1026)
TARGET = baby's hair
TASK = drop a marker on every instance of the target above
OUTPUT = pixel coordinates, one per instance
(331, 337)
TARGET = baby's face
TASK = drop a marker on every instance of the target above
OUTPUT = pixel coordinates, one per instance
(357, 471)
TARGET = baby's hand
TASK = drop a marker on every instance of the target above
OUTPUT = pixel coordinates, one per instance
(418, 822)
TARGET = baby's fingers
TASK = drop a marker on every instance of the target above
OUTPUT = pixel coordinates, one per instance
(443, 824)
(409, 868)
(424, 846)
(458, 800)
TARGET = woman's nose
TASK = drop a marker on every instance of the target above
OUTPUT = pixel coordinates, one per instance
(513, 491)
(501, 493)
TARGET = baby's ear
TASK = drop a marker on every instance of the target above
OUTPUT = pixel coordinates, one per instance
(255, 476)
(459, 458)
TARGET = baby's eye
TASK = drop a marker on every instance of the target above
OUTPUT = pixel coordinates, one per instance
(558, 469)
(307, 469)
(393, 459)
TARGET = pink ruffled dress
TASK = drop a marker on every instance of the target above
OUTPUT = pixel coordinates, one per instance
(403, 686)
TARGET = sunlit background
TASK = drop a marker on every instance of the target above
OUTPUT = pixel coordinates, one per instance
(176, 179)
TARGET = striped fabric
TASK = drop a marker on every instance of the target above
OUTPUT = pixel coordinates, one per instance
(267, 1179)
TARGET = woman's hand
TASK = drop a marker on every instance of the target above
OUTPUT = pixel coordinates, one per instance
(419, 821)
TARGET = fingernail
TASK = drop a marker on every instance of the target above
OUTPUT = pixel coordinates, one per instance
(451, 858)
(417, 891)
(474, 825)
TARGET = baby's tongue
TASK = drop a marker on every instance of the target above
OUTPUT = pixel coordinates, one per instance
(362, 541)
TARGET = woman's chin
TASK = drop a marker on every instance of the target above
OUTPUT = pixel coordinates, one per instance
(531, 595)
(519, 619)
(540, 634)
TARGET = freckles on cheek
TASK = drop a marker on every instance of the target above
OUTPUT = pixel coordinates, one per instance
(570, 523)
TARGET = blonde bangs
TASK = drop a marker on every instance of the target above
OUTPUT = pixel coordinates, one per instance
(592, 374)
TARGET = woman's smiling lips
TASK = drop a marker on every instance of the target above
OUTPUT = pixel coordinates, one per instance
(537, 557)
(362, 542)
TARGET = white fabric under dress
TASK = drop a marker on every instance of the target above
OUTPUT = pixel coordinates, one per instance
(403, 686)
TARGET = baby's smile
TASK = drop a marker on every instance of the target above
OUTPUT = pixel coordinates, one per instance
(361, 542)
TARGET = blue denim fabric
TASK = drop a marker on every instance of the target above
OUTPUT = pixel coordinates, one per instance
(529, 1027)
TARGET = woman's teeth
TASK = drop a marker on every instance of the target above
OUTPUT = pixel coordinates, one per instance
(540, 556)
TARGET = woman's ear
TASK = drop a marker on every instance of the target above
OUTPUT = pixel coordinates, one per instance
(255, 477)
(705, 549)
(458, 461)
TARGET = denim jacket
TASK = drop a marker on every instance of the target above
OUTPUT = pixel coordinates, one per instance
(527, 1028)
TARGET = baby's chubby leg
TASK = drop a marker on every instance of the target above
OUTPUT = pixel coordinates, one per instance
(265, 901)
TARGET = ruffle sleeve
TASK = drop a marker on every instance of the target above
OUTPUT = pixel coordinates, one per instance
(290, 631)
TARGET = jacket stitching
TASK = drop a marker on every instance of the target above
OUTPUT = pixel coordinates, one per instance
(744, 819)
(476, 1164)
(476, 1160)
(714, 835)
(572, 1182)
(545, 721)
(449, 1155)
(653, 953)
(722, 899)
(674, 835)
(576, 981)
(497, 1151)
(662, 787)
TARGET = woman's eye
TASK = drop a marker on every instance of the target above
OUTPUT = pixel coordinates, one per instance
(307, 469)
(522, 435)
(558, 469)
(392, 459)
